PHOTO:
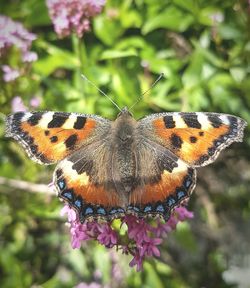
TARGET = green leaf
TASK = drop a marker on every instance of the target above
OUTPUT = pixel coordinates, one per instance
(107, 30)
(152, 278)
(189, 5)
(210, 16)
(171, 18)
(114, 54)
(192, 75)
(229, 32)
(37, 13)
(57, 58)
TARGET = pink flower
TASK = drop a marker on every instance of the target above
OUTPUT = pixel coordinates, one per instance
(217, 17)
(14, 34)
(182, 213)
(136, 261)
(142, 237)
(73, 15)
(149, 247)
(70, 212)
(17, 105)
(107, 236)
(29, 56)
(35, 102)
(10, 74)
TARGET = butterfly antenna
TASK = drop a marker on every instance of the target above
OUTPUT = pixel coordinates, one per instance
(110, 99)
(140, 97)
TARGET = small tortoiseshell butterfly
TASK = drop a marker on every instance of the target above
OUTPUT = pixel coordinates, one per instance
(109, 168)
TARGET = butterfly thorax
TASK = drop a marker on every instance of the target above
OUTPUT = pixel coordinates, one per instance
(124, 153)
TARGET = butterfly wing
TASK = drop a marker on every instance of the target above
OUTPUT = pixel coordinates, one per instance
(196, 138)
(84, 181)
(164, 181)
(49, 137)
(172, 145)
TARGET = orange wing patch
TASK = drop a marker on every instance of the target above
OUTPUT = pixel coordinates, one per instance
(180, 178)
(56, 143)
(163, 196)
(82, 186)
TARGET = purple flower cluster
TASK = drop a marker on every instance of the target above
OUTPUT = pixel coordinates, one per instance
(17, 104)
(9, 74)
(14, 34)
(141, 239)
(73, 15)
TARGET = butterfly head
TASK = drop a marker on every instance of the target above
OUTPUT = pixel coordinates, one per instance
(125, 113)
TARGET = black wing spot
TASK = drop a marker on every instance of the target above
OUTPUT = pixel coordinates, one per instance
(58, 120)
(34, 149)
(169, 122)
(35, 118)
(80, 122)
(46, 132)
(201, 133)
(71, 141)
(193, 139)
(215, 120)
(191, 120)
(176, 141)
(59, 173)
(53, 139)
(17, 117)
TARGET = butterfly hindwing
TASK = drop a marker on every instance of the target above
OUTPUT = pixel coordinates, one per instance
(83, 182)
(49, 137)
(196, 138)
(164, 182)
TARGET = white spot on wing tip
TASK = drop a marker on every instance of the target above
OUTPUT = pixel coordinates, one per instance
(224, 119)
(26, 116)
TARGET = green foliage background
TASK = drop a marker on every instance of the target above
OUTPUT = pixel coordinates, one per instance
(203, 49)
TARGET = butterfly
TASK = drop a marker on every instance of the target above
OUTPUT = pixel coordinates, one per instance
(107, 169)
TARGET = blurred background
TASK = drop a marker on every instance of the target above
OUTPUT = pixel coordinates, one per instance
(203, 49)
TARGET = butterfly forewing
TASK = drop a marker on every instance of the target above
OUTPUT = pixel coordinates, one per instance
(49, 137)
(196, 138)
